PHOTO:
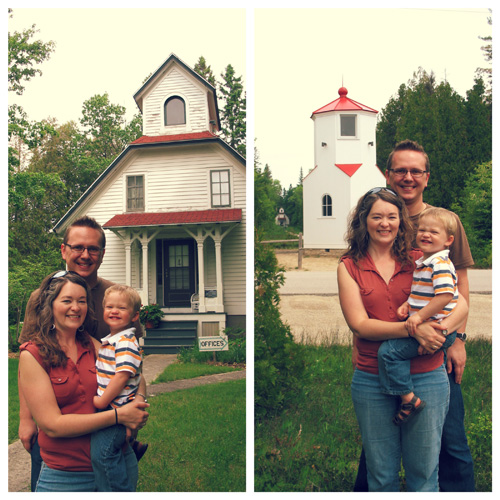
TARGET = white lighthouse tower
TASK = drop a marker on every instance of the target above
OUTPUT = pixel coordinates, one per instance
(345, 169)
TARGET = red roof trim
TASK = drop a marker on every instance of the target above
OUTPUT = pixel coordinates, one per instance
(344, 104)
(349, 168)
(174, 218)
(176, 137)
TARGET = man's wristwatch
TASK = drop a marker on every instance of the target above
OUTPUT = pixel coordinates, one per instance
(462, 337)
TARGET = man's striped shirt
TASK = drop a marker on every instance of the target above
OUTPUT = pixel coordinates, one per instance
(433, 276)
(119, 352)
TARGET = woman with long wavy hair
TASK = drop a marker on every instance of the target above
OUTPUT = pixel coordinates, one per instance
(374, 277)
(57, 376)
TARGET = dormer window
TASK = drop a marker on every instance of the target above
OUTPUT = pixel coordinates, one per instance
(348, 125)
(175, 111)
(135, 193)
(220, 189)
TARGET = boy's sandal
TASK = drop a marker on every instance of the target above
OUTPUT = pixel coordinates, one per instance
(408, 410)
(139, 449)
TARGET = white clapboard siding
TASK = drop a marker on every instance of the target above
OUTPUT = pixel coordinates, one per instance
(176, 179)
(176, 82)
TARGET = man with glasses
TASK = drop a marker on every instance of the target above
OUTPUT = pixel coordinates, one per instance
(407, 173)
(82, 249)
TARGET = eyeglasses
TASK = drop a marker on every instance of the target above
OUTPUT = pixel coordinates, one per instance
(414, 172)
(79, 249)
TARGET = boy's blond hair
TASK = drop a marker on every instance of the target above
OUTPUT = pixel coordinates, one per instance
(132, 296)
(446, 217)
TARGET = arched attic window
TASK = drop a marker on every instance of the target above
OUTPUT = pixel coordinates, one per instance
(326, 206)
(175, 111)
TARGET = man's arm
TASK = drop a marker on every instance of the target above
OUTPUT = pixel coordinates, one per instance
(28, 429)
(456, 354)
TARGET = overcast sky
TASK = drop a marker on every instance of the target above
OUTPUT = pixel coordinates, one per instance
(113, 50)
(302, 56)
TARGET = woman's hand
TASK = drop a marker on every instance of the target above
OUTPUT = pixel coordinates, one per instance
(133, 415)
(429, 335)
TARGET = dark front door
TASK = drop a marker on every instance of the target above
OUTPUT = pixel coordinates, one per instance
(178, 272)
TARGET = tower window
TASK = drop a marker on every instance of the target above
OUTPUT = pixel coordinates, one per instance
(348, 125)
(326, 206)
(175, 111)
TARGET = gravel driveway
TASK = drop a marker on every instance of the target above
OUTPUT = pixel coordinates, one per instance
(310, 304)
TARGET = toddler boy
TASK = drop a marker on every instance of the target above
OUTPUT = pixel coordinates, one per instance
(433, 296)
(118, 374)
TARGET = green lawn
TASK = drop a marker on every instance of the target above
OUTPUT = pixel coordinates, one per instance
(314, 445)
(197, 440)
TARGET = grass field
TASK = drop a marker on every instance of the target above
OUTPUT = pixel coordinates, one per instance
(314, 445)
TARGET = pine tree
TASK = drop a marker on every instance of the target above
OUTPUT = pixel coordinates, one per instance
(205, 71)
(233, 116)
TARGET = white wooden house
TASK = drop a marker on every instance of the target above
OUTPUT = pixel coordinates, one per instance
(174, 206)
(345, 169)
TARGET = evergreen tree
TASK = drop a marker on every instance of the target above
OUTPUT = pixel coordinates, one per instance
(267, 198)
(233, 116)
(450, 129)
(205, 71)
(488, 57)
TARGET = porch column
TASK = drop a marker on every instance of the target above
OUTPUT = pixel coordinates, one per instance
(219, 307)
(201, 275)
(128, 262)
(145, 267)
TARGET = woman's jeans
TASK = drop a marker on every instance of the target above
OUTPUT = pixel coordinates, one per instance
(59, 480)
(417, 443)
(108, 459)
(394, 358)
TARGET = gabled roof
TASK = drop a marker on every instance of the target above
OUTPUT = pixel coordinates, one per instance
(150, 142)
(173, 59)
(344, 103)
(143, 219)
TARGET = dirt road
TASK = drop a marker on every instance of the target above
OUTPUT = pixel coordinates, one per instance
(318, 318)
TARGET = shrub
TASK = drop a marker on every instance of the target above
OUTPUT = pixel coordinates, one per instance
(278, 360)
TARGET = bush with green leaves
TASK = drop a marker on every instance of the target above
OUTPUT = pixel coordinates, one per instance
(476, 211)
(278, 361)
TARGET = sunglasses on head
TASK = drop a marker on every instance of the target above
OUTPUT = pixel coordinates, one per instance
(61, 274)
(377, 190)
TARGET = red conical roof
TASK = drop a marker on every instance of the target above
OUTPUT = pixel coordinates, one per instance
(344, 103)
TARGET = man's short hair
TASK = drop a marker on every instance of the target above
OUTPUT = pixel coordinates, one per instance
(86, 222)
(408, 145)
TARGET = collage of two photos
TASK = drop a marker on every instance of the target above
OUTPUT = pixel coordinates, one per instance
(179, 324)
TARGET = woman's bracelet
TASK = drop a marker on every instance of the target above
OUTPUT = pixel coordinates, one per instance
(116, 416)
